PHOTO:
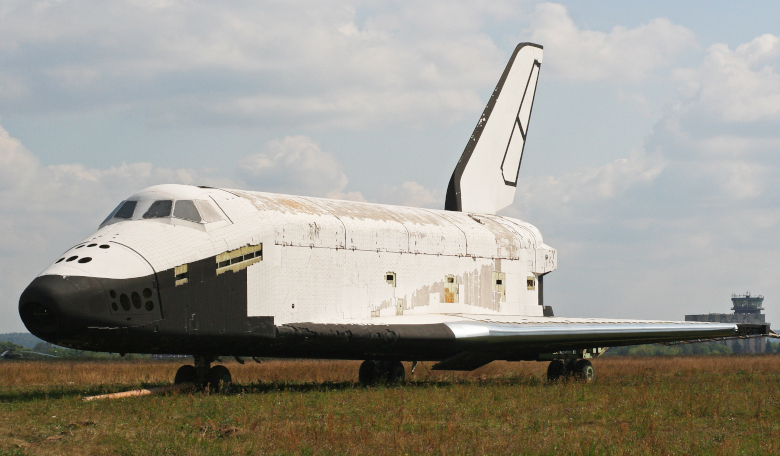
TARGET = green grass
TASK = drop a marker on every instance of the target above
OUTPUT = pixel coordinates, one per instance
(709, 405)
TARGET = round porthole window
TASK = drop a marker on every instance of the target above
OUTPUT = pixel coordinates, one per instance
(136, 300)
(125, 301)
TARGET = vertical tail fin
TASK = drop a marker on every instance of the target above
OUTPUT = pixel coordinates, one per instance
(485, 178)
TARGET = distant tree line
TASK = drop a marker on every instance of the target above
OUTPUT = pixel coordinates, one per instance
(10, 346)
(772, 346)
(25, 343)
(684, 349)
(62, 352)
(25, 340)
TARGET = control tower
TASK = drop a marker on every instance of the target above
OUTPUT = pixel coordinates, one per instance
(747, 309)
(748, 305)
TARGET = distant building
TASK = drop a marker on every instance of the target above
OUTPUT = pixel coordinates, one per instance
(747, 309)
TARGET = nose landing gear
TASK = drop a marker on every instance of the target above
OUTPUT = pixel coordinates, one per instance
(216, 378)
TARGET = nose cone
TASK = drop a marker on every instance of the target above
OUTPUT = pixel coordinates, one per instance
(54, 306)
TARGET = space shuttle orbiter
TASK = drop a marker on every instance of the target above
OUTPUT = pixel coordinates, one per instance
(212, 272)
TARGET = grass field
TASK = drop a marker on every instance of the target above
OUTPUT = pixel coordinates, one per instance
(697, 405)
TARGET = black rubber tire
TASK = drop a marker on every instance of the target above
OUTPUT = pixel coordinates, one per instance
(555, 370)
(186, 374)
(394, 371)
(219, 379)
(583, 370)
(368, 373)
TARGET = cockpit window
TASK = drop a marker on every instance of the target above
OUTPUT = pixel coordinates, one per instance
(126, 210)
(112, 213)
(185, 209)
(197, 211)
(208, 212)
(158, 209)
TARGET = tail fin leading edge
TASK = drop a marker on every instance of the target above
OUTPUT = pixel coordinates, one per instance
(485, 178)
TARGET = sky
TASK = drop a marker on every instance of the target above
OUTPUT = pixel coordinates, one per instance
(651, 161)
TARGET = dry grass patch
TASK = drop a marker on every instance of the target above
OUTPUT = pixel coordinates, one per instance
(706, 405)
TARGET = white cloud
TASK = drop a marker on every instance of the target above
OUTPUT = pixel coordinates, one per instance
(297, 165)
(737, 86)
(620, 55)
(314, 64)
(413, 194)
(31, 188)
(593, 185)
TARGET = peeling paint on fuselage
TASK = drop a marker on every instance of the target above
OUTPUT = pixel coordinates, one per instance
(423, 247)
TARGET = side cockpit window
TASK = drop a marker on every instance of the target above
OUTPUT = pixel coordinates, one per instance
(126, 210)
(123, 211)
(159, 209)
(208, 212)
(186, 210)
(112, 213)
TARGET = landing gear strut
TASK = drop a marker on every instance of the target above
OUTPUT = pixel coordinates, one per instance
(580, 369)
(216, 378)
(372, 372)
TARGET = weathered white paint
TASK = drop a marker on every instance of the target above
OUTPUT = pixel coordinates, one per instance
(320, 276)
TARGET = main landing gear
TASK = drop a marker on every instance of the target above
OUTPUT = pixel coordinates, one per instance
(372, 372)
(216, 378)
(580, 369)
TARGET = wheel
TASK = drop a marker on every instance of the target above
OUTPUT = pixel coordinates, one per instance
(219, 380)
(394, 371)
(185, 374)
(583, 370)
(555, 370)
(368, 373)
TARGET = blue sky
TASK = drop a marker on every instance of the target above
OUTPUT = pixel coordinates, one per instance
(650, 165)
